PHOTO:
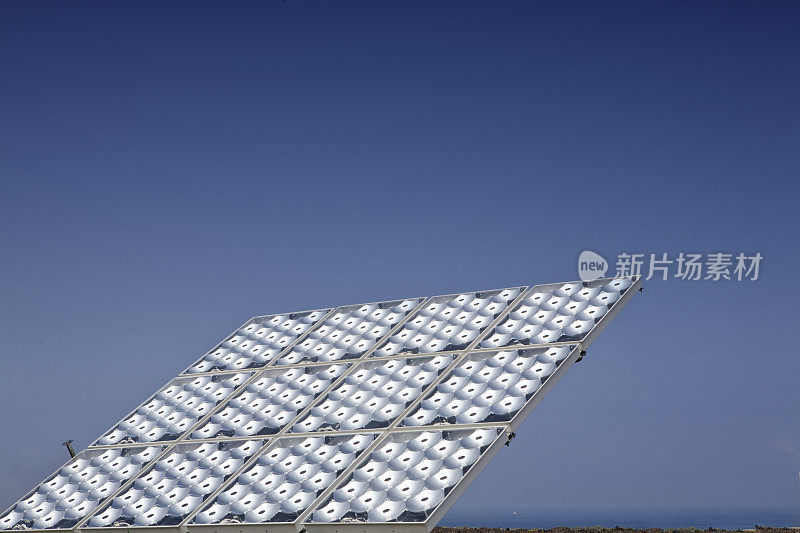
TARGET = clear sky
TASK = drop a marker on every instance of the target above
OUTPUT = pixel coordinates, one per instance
(168, 170)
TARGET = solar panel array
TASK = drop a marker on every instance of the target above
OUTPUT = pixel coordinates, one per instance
(365, 415)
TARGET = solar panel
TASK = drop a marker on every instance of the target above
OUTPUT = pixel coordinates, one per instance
(269, 402)
(407, 477)
(365, 416)
(373, 395)
(178, 482)
(285, 479)
(258, 341)
(76, 489)
(174, 409)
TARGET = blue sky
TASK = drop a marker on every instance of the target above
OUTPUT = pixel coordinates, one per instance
(169, 170)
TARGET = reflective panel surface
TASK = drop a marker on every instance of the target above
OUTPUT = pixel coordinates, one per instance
(284, 480)
(270, 402)
(259, 341)
(349, 332)
(562, 312)
(177, 484)
(448, 322)
(78, 488)
(366, 413)
(406, 477)
(174, 409)
(488, 386)
(374, 394)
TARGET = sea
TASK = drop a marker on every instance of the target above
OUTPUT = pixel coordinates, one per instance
(641, 518)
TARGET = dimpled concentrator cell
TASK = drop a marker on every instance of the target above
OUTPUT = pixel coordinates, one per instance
(488, 386)
(78, 488)
(374, 394)
(406, 477)
(564, 312)
(259, 341)
(349, 332)
(270, 402)
(284, 480)
(448, 322)
(177, 484)
(174, 410)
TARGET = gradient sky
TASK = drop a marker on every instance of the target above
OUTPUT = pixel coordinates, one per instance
(168, 170)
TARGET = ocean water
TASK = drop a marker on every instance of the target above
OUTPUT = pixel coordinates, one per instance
(665, 518)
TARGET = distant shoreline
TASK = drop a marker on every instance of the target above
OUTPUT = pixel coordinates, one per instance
(608, 530)
(628, 519)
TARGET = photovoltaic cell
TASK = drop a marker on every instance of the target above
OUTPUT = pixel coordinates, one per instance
(257, 342)
(77, 488)
(370, 414)
(176, 485)
(372, 396)
(270, 402)
(284, 480)
(407, 477)
(349, 332)
(488, 386)
(174, 410)
(563, 312)
(448, 322)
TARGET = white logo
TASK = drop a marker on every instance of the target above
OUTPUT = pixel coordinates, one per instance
(591, 266)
